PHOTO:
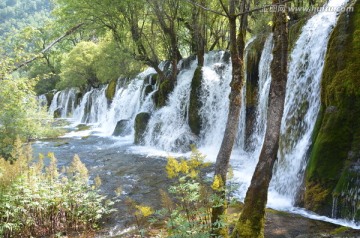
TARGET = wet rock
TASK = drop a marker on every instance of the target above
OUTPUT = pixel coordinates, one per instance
(151, 79)
(186, 63)
(141, 122)
(148, 90)
(332, 177)
(195, 102)
(49, 97)
(122, 128)
(57, 113)
(110, 90)
(160, 97)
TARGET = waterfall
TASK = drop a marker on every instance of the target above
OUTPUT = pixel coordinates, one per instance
(240, 142)
(257, 137)
(54, 103)
(215, 90)
(125, 105)
(302, 101)
(80, 115)
(168, 128)
(64, 102)
(42, 100)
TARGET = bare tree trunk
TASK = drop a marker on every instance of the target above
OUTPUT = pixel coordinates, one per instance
(223, 157)
(252, 218)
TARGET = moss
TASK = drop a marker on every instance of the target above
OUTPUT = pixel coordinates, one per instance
(49, 98)
(165, 88)
(250, 229)
(337, 133)
(195, 102)
(148, 90)
(83, 127)
(315, 196)
(110, 91)
(252, 85)
(339, 230)
(141, 122)
(295, 30)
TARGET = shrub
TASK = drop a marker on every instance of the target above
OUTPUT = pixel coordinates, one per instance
(187, 204)
(37, 200)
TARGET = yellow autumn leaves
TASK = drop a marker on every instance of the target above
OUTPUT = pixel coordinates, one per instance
(190, 167)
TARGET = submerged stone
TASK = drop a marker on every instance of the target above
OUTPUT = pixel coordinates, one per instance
(122, 128)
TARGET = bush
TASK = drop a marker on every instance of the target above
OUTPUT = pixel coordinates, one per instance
(188, 203)
(20, 114)
(37, 200)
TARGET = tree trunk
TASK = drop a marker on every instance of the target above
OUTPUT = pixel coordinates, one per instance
(252, 218)
(223, 157)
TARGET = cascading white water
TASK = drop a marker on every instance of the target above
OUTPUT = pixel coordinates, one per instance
(125, 105)
(94, 108)
(79, 115)
(64, 101)
(54, 103)
(302, 101)
(168, 128)
(97, 106)
(215, 90)
(240, 142)
(257, 137)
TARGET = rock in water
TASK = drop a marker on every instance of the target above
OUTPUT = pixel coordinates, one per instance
(122, 128)
(57, 113)
(141, 122)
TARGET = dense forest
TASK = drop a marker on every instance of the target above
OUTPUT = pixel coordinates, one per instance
(178, 76)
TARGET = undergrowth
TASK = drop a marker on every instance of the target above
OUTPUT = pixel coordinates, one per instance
(38, 200)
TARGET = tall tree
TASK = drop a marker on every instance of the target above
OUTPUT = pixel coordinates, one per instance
(167, 14)
(237, 48)
(252, 218)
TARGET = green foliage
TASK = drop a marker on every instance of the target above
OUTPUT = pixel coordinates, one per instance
(186, 208)
(20, 114)
(15, 14)
(37, 200)
(90, 63)
(114, 61)
(140, 212)
(77, 68)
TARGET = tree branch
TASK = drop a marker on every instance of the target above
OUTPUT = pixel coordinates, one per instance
(206, 8)
(69, 32)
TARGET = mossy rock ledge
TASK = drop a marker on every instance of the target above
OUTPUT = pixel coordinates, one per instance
(333, 172)
(110, 90)
(49, 97)
(141, 121)
(252, 87)
(160, 96)
(195, 102)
